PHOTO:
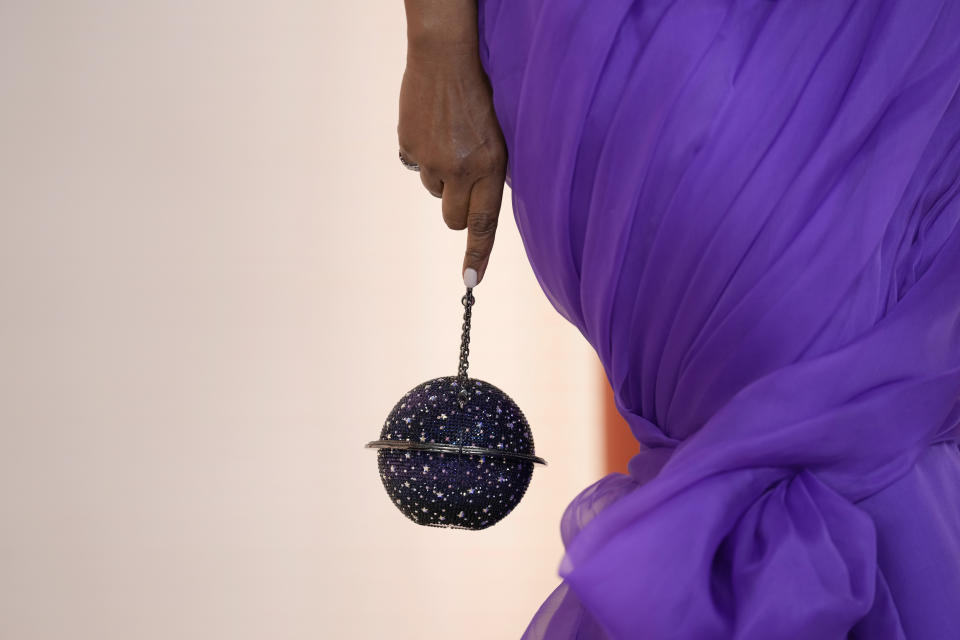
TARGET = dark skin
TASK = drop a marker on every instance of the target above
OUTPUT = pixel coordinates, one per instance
(448, 125)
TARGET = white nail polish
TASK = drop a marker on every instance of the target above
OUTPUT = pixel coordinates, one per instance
(470, 277)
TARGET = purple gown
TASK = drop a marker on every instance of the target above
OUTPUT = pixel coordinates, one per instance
(750, 210)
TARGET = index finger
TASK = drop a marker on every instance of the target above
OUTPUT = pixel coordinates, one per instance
(482, 215)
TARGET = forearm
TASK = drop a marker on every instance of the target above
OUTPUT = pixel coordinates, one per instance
(449, 26)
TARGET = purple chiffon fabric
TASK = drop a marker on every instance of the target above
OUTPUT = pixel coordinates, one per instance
(750, 210)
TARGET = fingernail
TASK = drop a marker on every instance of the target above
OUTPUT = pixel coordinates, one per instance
(470, 277)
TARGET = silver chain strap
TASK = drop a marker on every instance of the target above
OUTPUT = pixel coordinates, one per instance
(467, 300)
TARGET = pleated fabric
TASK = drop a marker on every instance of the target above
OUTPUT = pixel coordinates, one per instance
(750, 210)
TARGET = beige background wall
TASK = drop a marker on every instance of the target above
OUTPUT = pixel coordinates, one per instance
(215, 280)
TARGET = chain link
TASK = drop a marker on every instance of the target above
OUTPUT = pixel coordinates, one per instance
(467, 300)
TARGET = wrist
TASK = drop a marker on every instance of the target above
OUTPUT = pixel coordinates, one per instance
(442, 27)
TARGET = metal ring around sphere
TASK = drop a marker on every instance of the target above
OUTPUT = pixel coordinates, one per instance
(451, 448)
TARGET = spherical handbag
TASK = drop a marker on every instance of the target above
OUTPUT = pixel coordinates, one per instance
(456, 451)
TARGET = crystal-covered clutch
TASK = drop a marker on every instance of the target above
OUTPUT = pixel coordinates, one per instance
(456, 451)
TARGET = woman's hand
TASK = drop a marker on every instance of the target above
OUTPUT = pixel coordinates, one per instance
(448, 126)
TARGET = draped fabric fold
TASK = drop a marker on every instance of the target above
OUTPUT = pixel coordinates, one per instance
(750, 210)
